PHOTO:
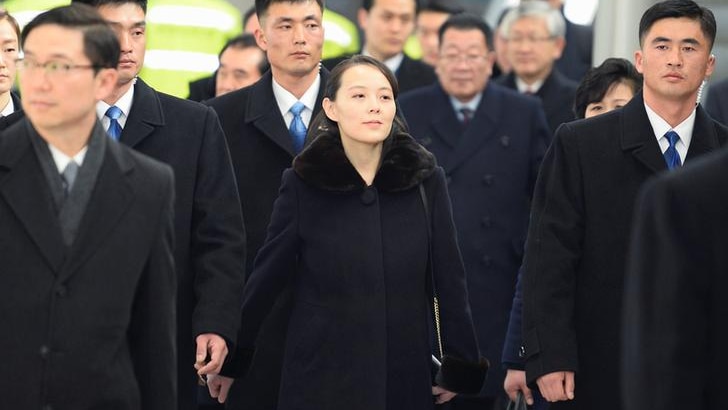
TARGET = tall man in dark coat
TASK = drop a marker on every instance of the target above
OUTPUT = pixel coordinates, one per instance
(535, 34)
(88, 304)
(674, 310)
(581, 216)
(256, 121)
(491, 155)
(209, 235)
(716, 103)
(387, 24)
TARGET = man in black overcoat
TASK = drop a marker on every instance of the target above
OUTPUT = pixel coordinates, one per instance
(257, 121)
(673, 356)
(582, 211)
(209, 234)
(87, 278)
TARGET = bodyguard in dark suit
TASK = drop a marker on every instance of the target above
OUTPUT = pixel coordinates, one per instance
(491, 156)
(257, 121)
(210, 242)
(386, 25)
(10, 108)
(673, 354)
(716, 103)
(581, 215)
(535, 34)
(88, 305)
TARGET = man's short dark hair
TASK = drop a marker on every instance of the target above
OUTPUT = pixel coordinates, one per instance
(467, 21)
(598, 80)
(249, 13)
(244, 41)
(99, 3)
(100, 44)
(261, 6)
(677, 9)
(368, 4)
(441, 6)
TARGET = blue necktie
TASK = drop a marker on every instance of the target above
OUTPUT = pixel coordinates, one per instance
(671, 156)
(298, 128)
(114, 130)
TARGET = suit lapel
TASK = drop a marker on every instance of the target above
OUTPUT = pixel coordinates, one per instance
(24, 187)
(480, 130)
(144, 116)
(705, 136)
(110, 199)
(638, 136)
(262, 110)
(445, 123)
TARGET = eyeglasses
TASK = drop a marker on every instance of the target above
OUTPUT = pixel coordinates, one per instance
(528, 39)
(51, 68)
(471, 59)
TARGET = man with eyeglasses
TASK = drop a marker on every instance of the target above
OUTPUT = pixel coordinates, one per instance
(209, 234)
(490, 141)
(88, 282)
(535, 40)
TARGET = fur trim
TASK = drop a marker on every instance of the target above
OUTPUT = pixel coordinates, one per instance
(405, 163)
(460, 376)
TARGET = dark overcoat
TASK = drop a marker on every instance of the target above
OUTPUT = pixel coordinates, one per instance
(577, 244)
(410, 74)
(261, 148)
(91, 326)
(556, 94)
(716, 103)
(674, 354)
(357, 256)
(491, 168)
(11, 119)
(209, 234)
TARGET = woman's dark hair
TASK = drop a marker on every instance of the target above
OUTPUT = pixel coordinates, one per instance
(100, 44)
(322, 123)
(598, 80)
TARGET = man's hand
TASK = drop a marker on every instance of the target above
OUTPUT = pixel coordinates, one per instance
(515, 381)
(442, 395)
(212, 346)
(557, 386)
(219, 387)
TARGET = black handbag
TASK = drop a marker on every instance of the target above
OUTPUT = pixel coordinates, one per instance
(519, 403)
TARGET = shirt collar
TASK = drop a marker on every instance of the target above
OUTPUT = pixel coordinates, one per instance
(62, 160)
(9, 108)
(124, 104)
(660, 126)
(285, 99)
(523, 87)
(471, 105)
(392, 63)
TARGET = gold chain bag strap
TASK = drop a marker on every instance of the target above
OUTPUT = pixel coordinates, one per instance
(431, 278)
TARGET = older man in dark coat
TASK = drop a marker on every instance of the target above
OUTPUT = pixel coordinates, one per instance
(491, 160)
(581, 215)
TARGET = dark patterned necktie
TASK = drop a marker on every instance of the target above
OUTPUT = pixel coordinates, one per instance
(672, 158)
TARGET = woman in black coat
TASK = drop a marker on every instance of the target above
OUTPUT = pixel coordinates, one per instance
(350, 230)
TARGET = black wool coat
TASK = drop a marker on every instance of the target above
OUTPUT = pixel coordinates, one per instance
(577, 244)
(674, 354)
(358, 336)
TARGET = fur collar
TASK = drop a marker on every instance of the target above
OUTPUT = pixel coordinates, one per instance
(323, 164)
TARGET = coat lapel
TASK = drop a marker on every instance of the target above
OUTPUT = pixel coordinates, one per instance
(111, 198)
(480, 130)
(638, 136)
(144, 117)
(24, 187)
(445, 123)
(705, 136)
(262, 110)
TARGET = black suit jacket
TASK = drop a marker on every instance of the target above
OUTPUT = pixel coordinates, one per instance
(411, 73)
(674, 354)
(261, 148)
(499, 154)
(11, 119)
(209, 234)
(557, 95)
(576, 59)
(202, 89)
(577, 244)
(716, 103)
(93, 325)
